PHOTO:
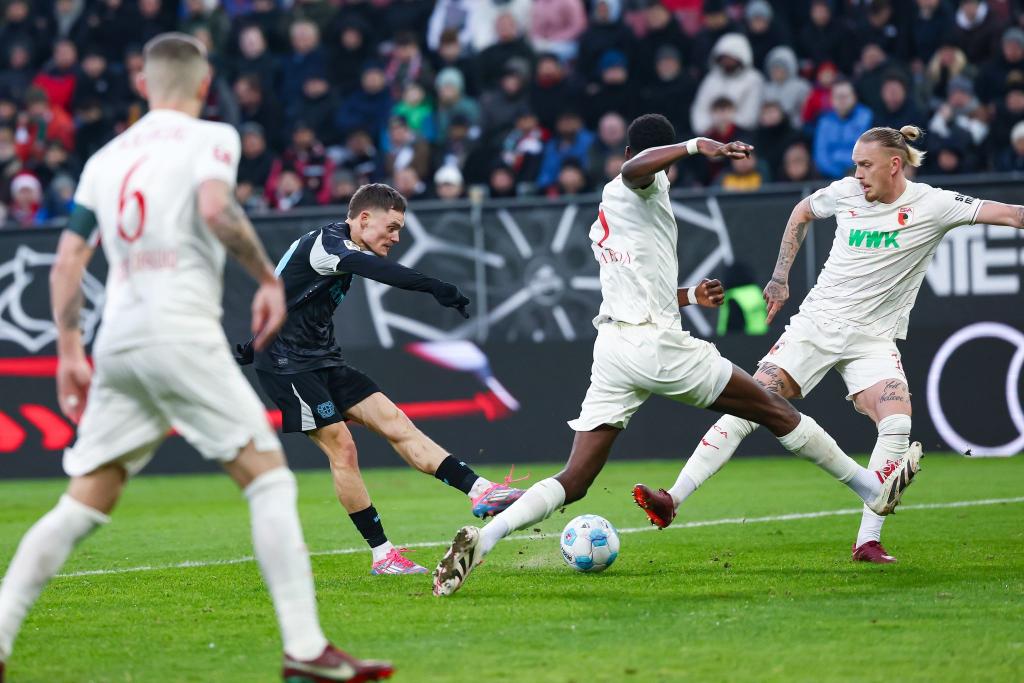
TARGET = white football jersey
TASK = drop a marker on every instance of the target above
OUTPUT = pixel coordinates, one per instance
(881, 253)
(634, 241)
(165, 277)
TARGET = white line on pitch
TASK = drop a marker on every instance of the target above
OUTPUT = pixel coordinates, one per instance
(793, 516)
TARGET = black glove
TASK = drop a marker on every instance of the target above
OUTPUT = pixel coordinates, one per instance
(244, 353)
(449, 296)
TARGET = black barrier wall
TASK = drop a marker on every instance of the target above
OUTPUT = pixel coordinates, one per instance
(521, 364)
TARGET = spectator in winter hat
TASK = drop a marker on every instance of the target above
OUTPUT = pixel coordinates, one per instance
(784, 84)
(448, 183)
(614, 92)
(764, 31)
(731, 75)
(452, 101)
(26, 197)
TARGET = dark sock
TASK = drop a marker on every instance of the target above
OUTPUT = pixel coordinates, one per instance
(368, 523)
(457, 474)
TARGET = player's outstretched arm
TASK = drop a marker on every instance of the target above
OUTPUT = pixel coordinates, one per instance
(709, 294)
(638, 171)
(231, 226)
(777, 291)
(997, 213)
(73, 371)
(396, 275)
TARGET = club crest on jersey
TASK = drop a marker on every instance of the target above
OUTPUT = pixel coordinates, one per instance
(905, 215)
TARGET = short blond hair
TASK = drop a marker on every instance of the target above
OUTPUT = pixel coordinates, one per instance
(174, 65)
(898, 140)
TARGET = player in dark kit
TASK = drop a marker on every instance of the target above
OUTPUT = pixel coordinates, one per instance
(305, 375)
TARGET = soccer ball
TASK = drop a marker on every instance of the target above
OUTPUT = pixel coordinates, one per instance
(589, 543)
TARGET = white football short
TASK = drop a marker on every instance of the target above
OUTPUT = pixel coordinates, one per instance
(810, 347)
(138, 395)
(631, 362)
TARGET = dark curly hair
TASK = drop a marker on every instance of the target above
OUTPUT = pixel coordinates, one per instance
(650, 130)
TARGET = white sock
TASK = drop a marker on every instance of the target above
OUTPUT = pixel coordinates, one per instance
(381, 551)
(284, 561)
(479, 486)
(41, 553)
(811, 442)
(537, 504)
(893, 443)
(713, 451)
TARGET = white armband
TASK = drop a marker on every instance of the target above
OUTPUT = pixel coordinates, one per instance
(691, 147)
(691, 295)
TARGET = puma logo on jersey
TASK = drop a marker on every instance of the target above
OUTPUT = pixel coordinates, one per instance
(874, 239)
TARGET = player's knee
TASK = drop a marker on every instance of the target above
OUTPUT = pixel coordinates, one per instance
(780, 415)
(344, 455)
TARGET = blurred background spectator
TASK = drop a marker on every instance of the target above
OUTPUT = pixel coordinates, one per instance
(521, 96)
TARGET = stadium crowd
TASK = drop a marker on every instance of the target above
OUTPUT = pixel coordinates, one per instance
(525, 97)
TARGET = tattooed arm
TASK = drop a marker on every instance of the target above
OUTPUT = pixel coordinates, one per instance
(777, 291)
(73, 371)
(996, 213)
(231, 226)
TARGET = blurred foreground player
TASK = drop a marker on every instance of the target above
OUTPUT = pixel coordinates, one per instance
(305, 375)
(887, 231)
(160, 196)
(642, 350)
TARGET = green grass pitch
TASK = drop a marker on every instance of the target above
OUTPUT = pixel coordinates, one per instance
(754, 601)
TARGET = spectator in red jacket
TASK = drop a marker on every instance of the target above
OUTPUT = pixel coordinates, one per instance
(40, 123)
(58, 76)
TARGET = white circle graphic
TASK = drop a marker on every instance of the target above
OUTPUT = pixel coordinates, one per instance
(982, 330)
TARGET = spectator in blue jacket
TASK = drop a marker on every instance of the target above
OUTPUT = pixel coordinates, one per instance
(837, 131)
(306, 59)
(571, 141)
(368, 107)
